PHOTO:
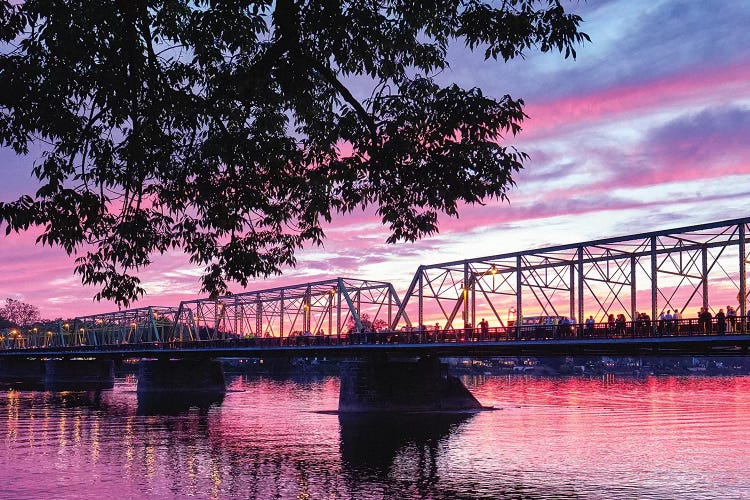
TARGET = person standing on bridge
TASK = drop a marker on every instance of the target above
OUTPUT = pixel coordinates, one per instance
(620, 325)
(484, 328)
(662, 322)
(709, 321)
(590, 322)
(704, 319)
(721, 322)
(732, 317)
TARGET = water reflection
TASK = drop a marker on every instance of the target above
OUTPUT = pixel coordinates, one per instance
(371, 443)
(174, 403)
(32, 400)
(658, 437)
(78, 386)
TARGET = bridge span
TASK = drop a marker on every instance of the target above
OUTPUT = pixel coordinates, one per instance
(678, 271)
(660, 292)
(687, 337)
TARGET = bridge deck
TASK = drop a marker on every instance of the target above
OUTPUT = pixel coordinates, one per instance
(331, 347)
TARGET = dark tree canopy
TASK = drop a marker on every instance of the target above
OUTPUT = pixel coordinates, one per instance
(233, 130)
(18, 313)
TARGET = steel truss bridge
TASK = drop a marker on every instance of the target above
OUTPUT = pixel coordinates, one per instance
(322, 308)
(682, 269)
(652, 272)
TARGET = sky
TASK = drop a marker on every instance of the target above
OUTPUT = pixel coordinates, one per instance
(647, 129)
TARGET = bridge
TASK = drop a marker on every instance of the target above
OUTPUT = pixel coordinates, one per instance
(536, 301)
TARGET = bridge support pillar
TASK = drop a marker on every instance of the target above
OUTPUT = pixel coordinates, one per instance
(26, 371)
(377, 384)
(66, 374)
(177, 384)
(181, 376)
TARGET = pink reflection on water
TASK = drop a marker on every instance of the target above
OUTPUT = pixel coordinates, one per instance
(662, 431)
(610, 437)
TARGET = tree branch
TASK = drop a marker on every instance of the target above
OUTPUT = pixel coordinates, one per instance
(330, 77)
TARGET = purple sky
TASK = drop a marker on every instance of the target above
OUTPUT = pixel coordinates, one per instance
(648, 129)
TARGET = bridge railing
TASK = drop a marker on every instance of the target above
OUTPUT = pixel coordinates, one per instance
(520, 333)
(622, 330)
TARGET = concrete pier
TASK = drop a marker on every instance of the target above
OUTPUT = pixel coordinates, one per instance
(377, 384)
(25, 371)
(172, 386)
(79, 374)
(183, 375)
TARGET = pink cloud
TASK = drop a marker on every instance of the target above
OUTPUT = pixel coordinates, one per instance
(549, 117)
(690, 148)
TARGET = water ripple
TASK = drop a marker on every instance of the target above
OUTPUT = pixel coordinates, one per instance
(656, 437)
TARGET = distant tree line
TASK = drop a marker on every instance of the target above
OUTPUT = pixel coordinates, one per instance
(16, 313)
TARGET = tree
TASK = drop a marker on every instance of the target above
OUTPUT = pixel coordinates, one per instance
(364, 320)
(19, 313)
(367, 323)
(380, 324)
(234, 130)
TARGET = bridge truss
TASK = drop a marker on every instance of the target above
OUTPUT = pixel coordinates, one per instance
(144, 324)
(647, 272)
(683, 269)
(327, 307)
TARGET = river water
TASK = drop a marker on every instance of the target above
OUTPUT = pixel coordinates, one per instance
(610, 437)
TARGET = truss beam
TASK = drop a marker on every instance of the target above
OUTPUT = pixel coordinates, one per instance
(700, 266)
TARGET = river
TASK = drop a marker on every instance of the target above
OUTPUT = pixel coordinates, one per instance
(602, 437)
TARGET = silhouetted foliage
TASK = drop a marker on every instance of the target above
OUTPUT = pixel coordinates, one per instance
(19, 313)
(367, 323)
(233, 130)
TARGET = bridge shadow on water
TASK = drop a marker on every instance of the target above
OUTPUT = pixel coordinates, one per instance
(36, 386)
(176, 402)
(165, 402)
(371, 444)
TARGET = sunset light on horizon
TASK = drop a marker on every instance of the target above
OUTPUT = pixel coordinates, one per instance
(647, 129)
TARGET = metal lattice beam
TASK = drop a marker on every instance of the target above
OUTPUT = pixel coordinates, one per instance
(328, 307)
(649, 272)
